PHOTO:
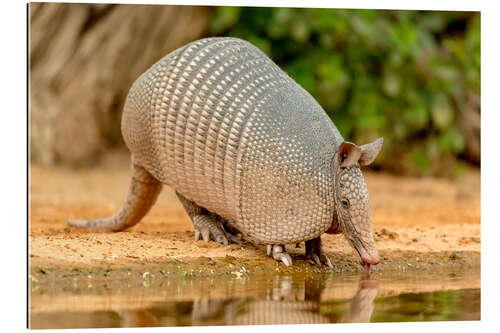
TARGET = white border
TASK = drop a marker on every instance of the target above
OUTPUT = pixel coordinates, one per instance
(13, 152)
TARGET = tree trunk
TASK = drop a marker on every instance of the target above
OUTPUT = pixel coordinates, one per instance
(83, 60)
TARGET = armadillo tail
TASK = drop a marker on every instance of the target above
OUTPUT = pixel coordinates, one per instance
(142, 194)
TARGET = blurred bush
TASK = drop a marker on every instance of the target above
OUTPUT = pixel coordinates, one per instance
(412, 77)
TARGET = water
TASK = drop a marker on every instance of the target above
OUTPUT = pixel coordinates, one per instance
(240, 299)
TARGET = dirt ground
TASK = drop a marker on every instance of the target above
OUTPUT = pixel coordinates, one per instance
(419, 223)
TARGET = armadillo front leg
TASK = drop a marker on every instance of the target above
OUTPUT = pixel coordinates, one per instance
(315, 252)
(143, 191)
(278, 253)
(208, 225)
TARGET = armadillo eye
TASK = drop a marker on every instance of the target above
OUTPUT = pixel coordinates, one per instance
(345, 202)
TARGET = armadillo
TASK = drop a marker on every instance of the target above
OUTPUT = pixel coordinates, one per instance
(247, 150)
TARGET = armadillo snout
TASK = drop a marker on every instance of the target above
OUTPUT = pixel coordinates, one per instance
(372, 258)
(365, 249)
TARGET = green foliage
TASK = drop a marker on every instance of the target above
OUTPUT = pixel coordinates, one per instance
(398, 74)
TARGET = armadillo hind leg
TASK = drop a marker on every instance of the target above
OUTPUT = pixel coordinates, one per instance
(208, 225)
(314, 251)
(229, 228)
(278, 252)
(142, 194)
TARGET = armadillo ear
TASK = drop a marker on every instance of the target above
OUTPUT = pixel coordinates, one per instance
(348, 155)
(370, 151)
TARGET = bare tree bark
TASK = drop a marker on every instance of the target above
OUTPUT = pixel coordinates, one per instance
(83, 60)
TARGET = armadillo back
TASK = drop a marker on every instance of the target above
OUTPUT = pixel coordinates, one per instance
(225, 127)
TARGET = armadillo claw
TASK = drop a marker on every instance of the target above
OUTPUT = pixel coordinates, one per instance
(316, 259)
(279, 254)
(222, 239)
(207, 228)
(233, 238)
(206, 234)
(315, 252)
(215, 234)
(326, 260)
(322, 259)
(284, 257)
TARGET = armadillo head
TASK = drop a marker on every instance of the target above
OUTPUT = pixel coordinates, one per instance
(352, 204)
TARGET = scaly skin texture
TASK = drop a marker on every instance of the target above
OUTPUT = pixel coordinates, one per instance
(246, 149)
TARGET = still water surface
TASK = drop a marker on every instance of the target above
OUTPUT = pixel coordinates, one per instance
(263, 299)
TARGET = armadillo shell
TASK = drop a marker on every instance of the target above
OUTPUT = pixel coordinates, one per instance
(224, 126)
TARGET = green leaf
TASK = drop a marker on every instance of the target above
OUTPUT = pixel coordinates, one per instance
(279, 25)
(301, 72)
(331, 70)
(391, 83)
(442, 113)
(452, 140)
(420, 158)
(417, 117)
(224, 18)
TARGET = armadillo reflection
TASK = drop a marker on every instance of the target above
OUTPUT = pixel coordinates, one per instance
(247, 150)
